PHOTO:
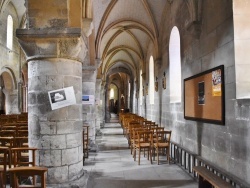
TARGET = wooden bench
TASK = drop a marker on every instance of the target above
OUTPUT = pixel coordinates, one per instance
(207, 179)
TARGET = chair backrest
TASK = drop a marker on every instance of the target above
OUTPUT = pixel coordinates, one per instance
(4, 158)
(163, 136)
(21, 156)
(7, 142)
(21, 142)
(7, 133)
(145, 137)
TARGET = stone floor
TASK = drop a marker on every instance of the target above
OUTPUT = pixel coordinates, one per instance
(112, 166)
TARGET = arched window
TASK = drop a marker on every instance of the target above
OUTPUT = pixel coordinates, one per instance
(112, 93)
(9, 32)
(151, 81)
(175, 66)
(140, 92)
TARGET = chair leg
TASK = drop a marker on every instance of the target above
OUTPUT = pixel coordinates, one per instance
(168, 157)
(139, 156)
(153, 153)
(134, 154)
(2, 185)
(150, 153)
(157, 150)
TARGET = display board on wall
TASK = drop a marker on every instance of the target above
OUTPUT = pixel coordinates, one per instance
(204, 98)
(88, 99)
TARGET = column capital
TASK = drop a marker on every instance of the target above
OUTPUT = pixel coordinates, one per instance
(143, 76)
(98, 62)
(87, 26)
(52, 43)
(158, 62)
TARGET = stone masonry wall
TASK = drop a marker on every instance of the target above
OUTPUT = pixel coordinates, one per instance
(227, 145)
(10, 59)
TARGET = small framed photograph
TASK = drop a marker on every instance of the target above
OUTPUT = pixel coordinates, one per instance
(156, 86)
(164, 83)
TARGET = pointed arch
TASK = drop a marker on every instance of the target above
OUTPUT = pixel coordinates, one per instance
(151, 80)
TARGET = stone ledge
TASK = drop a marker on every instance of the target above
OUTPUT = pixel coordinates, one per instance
(48, 33)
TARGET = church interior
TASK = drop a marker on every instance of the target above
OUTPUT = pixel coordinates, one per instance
(71, 68)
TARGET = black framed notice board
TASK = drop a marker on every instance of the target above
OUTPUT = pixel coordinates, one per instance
(204, 96)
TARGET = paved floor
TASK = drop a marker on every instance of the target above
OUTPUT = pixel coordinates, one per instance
(112, 166)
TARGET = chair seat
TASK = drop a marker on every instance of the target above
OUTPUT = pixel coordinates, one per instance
(143, 145)
(161, 145)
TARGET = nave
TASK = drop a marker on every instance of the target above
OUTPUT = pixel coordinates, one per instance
(112, 165)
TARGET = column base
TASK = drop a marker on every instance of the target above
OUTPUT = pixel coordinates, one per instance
(79, 183)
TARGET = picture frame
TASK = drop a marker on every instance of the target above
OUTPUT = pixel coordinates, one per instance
(204, 96)
(156, 86)
(164, 82)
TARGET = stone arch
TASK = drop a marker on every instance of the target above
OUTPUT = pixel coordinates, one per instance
(9, 79)
(9, 99)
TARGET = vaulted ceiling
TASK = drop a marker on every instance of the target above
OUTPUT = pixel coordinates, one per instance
(123, 31)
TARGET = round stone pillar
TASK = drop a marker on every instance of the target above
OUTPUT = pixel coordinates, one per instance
(55, 63)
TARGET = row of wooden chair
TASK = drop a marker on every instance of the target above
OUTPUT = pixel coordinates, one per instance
(144, 135)
(17, 164)
(17, 159)
(13, 118)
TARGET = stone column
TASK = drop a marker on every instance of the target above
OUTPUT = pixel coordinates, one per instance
(11, 101)
(103, 98)
(98, 105)
(55, 62)
(88, 110)
(107, 113)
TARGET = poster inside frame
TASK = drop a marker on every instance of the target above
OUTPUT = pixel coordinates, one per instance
(62, 97)
(204, 96)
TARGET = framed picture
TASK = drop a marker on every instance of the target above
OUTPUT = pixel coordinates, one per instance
(62, 97)
(164, 82)
(156, 86)
(204, 96)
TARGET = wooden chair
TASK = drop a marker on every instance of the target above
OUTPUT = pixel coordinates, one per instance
(4, 165)
(134, 137)
(18, 172)
(162, 142)
(20, 157)
(144, 142)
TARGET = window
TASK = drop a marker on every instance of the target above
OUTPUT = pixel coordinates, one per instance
(9, 32)
(128, 93)
(111, 96)
(151, 81)
(175, 66)
(140, 93)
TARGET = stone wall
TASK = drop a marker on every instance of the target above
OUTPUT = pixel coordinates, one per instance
(224, 145)
(9, 61)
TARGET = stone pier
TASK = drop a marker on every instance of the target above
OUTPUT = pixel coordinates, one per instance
(55, 63)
